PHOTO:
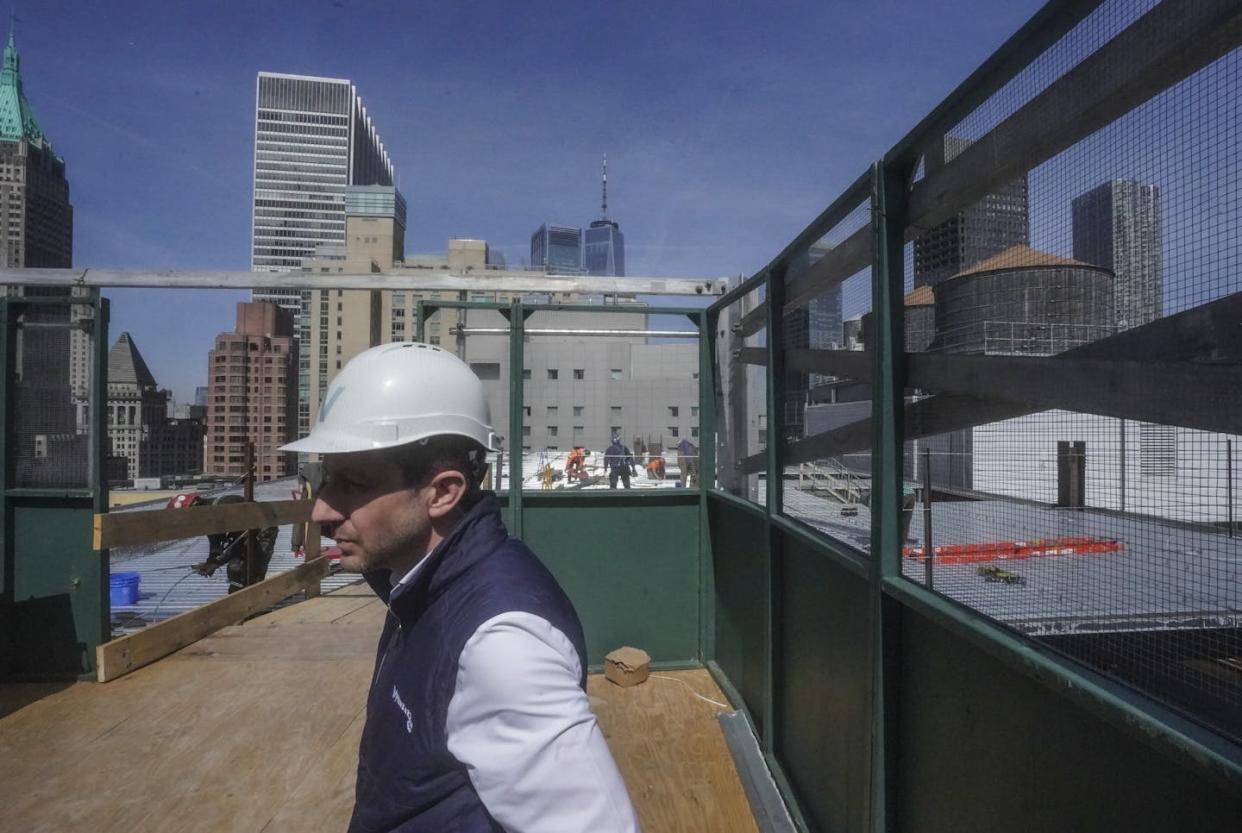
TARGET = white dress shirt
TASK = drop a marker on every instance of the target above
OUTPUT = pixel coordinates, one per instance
(522, 725)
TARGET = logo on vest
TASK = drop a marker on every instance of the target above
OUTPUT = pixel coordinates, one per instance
(409, 718)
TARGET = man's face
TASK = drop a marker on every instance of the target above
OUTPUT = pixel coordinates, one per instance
(377, 518)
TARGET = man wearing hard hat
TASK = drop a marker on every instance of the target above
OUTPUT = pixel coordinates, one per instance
(477, 717)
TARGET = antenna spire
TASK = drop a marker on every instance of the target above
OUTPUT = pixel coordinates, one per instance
(604, 204)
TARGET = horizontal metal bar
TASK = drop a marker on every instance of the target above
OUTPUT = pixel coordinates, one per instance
(1122, 706)
(596, 309)
(436, 281)
(741, 290)
(736, 502)
(531, 331)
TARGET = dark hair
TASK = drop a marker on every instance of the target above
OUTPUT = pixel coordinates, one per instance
(420, 461)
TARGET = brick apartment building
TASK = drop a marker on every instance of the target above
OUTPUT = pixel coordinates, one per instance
(252, 393)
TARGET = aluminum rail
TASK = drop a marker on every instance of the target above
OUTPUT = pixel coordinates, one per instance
(406, 280)
(501, 331)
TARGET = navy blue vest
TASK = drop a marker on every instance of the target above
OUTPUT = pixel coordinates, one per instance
(407, 779)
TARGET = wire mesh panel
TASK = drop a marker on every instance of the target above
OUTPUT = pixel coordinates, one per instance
(741, 400)
(1073, 380)
(611, 400)
(827, 407)
(52, 371)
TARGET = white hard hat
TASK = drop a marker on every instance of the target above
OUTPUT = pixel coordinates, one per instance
(396, 394)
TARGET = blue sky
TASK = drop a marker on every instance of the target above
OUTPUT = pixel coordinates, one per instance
(728, 126)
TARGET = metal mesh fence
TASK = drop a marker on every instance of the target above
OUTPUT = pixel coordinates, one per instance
(1072, 406)
(741, 402)
(52, 374)
(827, 414)
(611, 400)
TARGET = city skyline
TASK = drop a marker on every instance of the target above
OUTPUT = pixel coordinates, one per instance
(701, 192)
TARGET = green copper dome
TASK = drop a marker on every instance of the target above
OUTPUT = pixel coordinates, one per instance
(17, 118)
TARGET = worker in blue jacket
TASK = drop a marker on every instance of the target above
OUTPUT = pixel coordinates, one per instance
(477, 715)
(619, 462)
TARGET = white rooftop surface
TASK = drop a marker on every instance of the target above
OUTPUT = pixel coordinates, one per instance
(1167, 575)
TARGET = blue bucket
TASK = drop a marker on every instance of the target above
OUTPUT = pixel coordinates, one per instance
(123, 588)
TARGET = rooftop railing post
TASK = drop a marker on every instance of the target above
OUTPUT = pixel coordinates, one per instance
(708, 322)
(775, 291)
(517, 360)
(888, 209)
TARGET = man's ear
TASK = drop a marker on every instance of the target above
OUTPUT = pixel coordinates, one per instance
(446, 491)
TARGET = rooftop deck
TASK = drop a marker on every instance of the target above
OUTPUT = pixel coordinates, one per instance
(256, 728)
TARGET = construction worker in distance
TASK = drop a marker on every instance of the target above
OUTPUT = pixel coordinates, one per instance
(619, 462)
(688, 464)
(575, 464)
(655, 468)
(477, 713)
(229, 548)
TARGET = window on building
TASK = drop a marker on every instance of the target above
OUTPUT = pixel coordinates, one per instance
(615, 410)
(526, 373)
(486, 370)
(554, 448)
(672, 431)
(614, 430)
(694, 410)
(552, 410)
(553, 373)
(694, 431)
(525, 430)
(526, 410)
(552, 430)
(615, 373)
(672, 411)
(580, 373)
(579, 434)
(578, 409)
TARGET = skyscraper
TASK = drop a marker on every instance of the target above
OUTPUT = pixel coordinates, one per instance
(996, 222)
(313, 140)
(603, 244)
(1117, 226)
(557, 249)
(816, 325)
(36, 219)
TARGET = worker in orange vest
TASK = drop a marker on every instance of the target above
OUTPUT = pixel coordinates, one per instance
(575, 465)
(655, 468)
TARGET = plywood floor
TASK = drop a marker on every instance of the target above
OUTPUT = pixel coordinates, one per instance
(256, 729)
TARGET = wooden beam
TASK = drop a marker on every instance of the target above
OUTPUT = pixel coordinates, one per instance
(120, 656)
(129, 529)
(1204, 397)
(428, 280)
(1207, 336)
(310, 549)
(1160, 49)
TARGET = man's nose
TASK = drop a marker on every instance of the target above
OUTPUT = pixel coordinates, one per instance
(324, 514)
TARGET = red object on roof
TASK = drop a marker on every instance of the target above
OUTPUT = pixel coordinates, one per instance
(1014, 550)
(183, 500)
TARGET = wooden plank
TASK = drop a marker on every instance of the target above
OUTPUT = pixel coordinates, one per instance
(128, 529)
(310, 549)
(1190, 395)
(1160, 49)
(120, 656)
(672, 752)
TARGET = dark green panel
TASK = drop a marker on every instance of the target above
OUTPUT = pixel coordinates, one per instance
(985, 748)
(823, 700)
(59, 608)
(630, 566)
(740, 555)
